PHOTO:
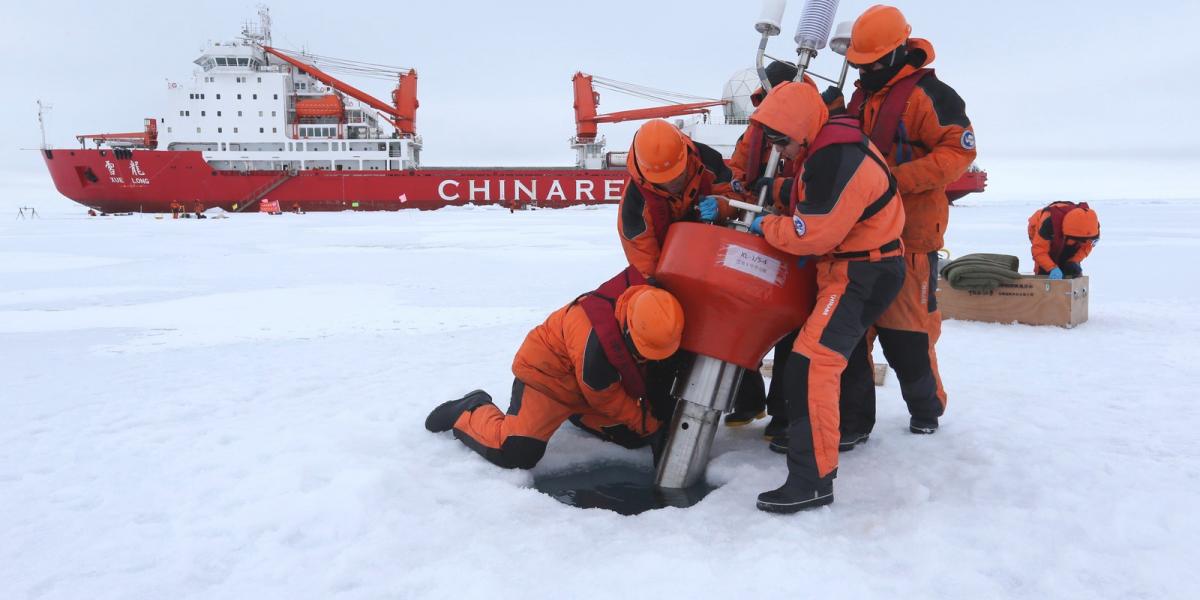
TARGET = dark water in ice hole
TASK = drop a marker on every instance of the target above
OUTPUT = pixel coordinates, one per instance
(620, 487)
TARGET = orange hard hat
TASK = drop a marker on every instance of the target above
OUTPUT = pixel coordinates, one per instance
(660, 151)
(1082, 223)
(879, 30)
(794, 109)
(654, 321)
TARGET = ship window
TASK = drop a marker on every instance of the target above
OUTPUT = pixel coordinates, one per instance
(239, 97)
(218, 96)
(220, 62)
(260, 78)
(198, 130)
(222, 145)
(201, 96)
(260, 113)
(235, 129)
(219, 130)
(276, 97)
(254, 97)
(181, 113)
(239, 113)
(272, 113)
(243, 62)
(168, 130)
(260, 130)
(273, 130)
(218, 113)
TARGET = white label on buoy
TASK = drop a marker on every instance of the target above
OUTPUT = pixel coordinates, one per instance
(753, 263)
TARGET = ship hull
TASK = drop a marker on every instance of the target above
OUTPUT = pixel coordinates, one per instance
(152, 181)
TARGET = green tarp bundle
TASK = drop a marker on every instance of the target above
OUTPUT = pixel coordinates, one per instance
(981, 272)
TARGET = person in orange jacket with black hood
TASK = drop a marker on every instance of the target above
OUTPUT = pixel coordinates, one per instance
(587, 360)
(747, 166)
(920, 124)
(845, 212)
(669, 174)
(1062, 234)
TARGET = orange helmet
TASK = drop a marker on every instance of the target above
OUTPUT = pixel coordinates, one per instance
(654, 320)
(876, 32)
(1081, 223)
(660, 151)
(794, 109)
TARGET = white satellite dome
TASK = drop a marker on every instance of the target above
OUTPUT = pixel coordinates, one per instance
(737, 95)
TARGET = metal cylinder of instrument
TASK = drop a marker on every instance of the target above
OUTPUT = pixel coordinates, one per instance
(704, 393)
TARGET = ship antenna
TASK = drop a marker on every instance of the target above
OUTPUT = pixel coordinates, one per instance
(262, 33)
(42, 109)
(264, 23)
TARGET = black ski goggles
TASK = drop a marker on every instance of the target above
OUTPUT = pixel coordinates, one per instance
(775, 138)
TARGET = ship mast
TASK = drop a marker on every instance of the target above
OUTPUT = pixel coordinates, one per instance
(260, 34)
(42, 108)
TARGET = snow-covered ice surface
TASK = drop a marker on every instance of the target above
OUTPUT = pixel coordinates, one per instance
(233, 409)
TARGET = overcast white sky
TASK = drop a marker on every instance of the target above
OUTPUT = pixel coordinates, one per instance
(1110, 84)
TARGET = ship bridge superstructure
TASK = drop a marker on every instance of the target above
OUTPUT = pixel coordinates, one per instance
(251, 107)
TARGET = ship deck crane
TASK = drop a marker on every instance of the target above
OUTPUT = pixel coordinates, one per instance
(587, 100)
(402, 113)
(147, 138)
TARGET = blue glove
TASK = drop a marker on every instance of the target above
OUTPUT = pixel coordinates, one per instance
(1055, 273)
(756, 225)
(708, 209)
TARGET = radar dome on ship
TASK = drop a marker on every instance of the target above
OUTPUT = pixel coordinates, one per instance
(737, 95)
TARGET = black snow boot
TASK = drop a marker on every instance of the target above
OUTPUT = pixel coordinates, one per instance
(443, 417)
(850, 440)
(738, 418)
(779, 443)
(776, 427)
(923, 426)
(795, 496)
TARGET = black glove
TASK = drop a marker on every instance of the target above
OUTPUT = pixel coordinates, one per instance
(833, 95)
(1072, 269)
(785, 189)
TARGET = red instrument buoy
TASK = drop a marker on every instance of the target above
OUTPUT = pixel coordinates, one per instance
(739, 295)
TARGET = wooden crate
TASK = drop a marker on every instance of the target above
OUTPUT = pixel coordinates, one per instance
(1030, 300)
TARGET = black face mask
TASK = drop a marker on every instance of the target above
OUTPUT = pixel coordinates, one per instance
(873, 81)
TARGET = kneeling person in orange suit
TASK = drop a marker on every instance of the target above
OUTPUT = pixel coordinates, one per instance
(586, 360)
(1063, 234)
(845, 211)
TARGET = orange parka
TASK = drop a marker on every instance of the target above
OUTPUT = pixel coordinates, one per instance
(563, 359)
(842, 202)
(646, 209)
(935, 146)
(1041, 237)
